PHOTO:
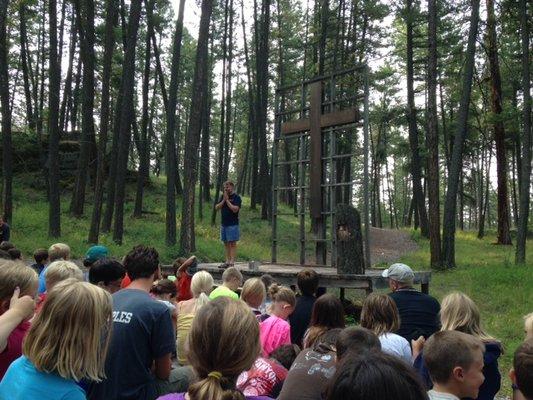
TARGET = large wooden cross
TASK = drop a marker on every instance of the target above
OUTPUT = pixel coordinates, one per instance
(315, 124)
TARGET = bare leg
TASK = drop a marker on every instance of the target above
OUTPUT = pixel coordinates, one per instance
(227, 251)
(233, 252)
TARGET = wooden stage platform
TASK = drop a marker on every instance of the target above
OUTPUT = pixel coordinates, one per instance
(286, 275)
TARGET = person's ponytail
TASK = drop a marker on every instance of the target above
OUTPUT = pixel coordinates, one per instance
(202, 300)
(210, 388)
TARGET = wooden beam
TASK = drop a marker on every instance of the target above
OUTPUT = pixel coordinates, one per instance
(338, 118)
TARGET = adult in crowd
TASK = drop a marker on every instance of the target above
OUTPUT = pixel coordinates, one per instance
(419, 312)
(138, 365)
(108, 274)
(67, 343)
(231, 281)
(307, 281)
(375, 376)
(380, 315)
(229, 206)
(224, 341)
(201, 286)
(328, 313)
(5, 230)
(460, 313)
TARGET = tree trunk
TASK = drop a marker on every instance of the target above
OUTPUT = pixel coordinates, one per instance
(205, 156)
(24, 65)
(7, 155)
(126, 116)
(171, 169)
(520, 257)
(504, 235)
(416, 167)
(187, 236)
(85, 22)
(450, 205)
(54, 76)
(432, 140)
(67, 90)
(111, 20)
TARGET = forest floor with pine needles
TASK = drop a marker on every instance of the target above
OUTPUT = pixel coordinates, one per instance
(486, 272)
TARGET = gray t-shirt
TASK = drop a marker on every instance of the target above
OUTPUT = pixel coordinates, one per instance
(397, 346)
(142, 332)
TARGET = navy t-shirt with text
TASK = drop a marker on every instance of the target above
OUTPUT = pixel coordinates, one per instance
(142, 332)
(229, 217)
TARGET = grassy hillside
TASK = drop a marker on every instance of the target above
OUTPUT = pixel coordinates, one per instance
(485, 272)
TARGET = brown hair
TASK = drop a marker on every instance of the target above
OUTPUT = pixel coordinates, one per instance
(328, 313)
(380, 314)
(164, 286)
(281, 293)
(307, 281)
(223, 342)
(230, 274)
(445, 350)
(71, 333)
(356, 340)
(253, 292)
(523, 368)
(16, 274)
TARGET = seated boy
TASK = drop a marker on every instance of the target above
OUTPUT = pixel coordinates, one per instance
(231, 281)
(307, 281)
(17, 291)
(41, 259)
(455, 363)
(522, 373)
(108, 274)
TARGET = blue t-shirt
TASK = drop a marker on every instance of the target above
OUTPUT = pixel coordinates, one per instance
(42, 281)
(142, 332)
(23, 381)
(229, 217)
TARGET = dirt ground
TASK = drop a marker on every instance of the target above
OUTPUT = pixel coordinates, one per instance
(388, 245)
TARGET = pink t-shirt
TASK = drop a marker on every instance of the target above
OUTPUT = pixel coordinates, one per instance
(274, 332)
(13, 349)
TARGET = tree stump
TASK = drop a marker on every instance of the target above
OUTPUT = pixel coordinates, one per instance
(350, 255)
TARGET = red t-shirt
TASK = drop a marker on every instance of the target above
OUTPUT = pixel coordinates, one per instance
(40, 302)
(265, 376)
(13, 349)
(183, 283)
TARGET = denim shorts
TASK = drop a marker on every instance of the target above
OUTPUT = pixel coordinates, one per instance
(230, 233)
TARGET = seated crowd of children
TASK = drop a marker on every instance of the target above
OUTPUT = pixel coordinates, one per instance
(120, 330)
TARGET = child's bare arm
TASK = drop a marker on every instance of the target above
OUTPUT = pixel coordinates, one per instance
(19, 309)
(186, 264)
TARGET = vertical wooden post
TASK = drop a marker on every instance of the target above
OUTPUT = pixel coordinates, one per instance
(365, 172)
(277, 134)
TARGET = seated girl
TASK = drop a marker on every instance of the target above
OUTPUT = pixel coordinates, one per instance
(254, 294)
(275, 331)
(328, 313)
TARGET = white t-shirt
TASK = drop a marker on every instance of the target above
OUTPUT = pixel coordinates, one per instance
(433, 395)
(396, 345)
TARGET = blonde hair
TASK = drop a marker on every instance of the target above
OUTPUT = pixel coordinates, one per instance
(253, 292)
(459, 313)
(528, 325)
(380, 314)
(201, 285)
(71, 334)
(59, 251)
(16, 274)
(282, 293)
(59, 271)
(223, 342)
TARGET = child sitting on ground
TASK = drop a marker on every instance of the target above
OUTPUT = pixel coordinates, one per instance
(328, 313)
(231, 280)
(17, 304)
(66, 343)
(56, 272)
(57, 251)
(165, 291)
(41, 259)
(522, 373)
(455, 363)
(307, 280)
(254, 294)
(275, 331)
(108, 274)
(184, 269)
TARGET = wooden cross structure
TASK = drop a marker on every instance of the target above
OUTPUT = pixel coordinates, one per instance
(316, 130)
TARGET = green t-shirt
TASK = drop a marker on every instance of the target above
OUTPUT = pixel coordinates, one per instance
(223, 291)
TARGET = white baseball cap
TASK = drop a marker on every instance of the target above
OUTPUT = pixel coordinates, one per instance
(399, 272)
